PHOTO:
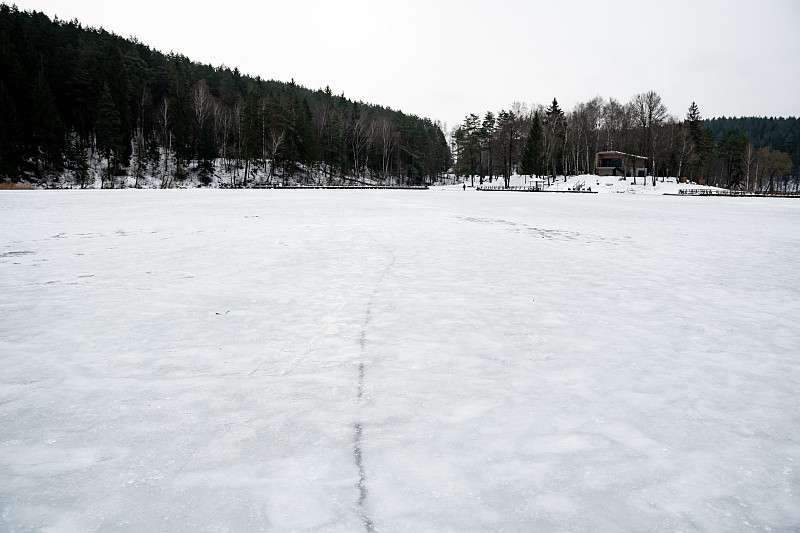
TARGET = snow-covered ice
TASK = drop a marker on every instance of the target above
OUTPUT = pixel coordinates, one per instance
(439, 360)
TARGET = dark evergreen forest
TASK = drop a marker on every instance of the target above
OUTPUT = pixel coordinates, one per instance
(76, 99)
(777, 133)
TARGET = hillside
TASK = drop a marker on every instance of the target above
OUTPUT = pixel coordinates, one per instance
(779, 133)
(76, 99)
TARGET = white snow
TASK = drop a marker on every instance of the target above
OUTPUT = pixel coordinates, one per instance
(201, 360)
(604, 184)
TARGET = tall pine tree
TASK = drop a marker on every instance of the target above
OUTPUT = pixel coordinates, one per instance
(702, 142)
(109, 138)
(116, 80)
(555, 132)
(531, 163)
(48, 135)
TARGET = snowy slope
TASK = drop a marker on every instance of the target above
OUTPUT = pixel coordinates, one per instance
(439, 360)
(606, 184)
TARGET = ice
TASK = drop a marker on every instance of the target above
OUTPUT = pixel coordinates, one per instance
(439, 360)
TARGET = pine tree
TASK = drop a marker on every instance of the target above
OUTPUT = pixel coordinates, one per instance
(467, 138)
(488, 130)
(139, 158)
(283, 132)
(693, 118)
(203, 133)
(554, 138)
(731, 151)
(10, 155)
(554, 112)
(251, 129)
(79, 161)
(13, 98)
(48, 135)
(334, 145)
(307, 146)
(181, 116)
(531, 163)
(702, 142)
(116, 79)
(109, 140)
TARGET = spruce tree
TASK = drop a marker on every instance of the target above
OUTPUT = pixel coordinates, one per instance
(488, 130)
(531, 163)
(181, 115)
(334, 146)
(731, 151)
(695, 123)
(473, 145)
(116, 79)
(47, 128)
(307, 147)
(10, 155)
(554, 112)
(251, 129)
(555, 132)
(702, 143)
(77, 160)
(109, 140)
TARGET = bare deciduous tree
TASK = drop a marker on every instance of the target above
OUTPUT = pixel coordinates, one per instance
(648, 112)
(166, 139)
(388, 143)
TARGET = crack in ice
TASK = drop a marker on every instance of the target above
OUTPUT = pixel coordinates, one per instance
(362, 481)
(361, 504)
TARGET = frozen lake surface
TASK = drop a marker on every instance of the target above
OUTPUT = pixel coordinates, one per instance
(398, 361)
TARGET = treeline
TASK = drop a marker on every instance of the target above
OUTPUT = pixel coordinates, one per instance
(778, 133)
(751, 154)
(70, 95)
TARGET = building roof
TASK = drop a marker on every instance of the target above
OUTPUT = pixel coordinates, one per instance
(621, 153)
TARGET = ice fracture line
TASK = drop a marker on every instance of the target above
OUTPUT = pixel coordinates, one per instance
(366, 519)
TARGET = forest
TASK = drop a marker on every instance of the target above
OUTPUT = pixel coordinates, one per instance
(75, 99)
(756, 154)
(80, 104)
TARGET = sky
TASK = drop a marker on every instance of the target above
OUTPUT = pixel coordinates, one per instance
(444, 59)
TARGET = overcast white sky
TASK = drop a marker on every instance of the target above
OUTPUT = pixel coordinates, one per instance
(444, 59)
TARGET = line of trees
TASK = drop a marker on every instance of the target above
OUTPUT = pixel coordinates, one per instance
(71, 95)
(551, 142)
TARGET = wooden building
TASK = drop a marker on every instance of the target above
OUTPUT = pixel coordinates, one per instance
(619, 163)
